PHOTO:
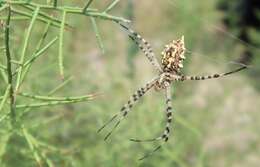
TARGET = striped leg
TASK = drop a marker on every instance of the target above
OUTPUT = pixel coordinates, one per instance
(183, 78)
(127, 107)
(165, 136)
(143, 45)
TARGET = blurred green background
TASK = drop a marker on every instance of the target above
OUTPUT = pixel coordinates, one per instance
(216, 122)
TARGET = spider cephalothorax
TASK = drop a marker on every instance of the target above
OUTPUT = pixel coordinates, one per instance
(173, 56)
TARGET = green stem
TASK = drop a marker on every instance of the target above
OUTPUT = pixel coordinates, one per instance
(3, 7)
(61, 8)
(46, 16)
(99, 40)
(9, 69)
(31, 146)
(16, 18)
(61, 63)
(4, 98)
(55, 3)
(27, 65)
(60, 86)
(4, 76)
(48, 98)
(36, 55)
(75, 10)
(25, 46)
(41, 51)
(87, 5)
(2, 67)
(111, 6)
(52, 103)
(44, 20)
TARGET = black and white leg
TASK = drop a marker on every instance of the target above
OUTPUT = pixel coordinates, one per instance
(183, 78)
(127, 107)
(165, 136)
(143, 45)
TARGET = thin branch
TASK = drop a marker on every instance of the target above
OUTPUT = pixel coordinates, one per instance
(47, 16)
(36, 55)
(2, 67)
(55, 3)
(48, 98)
(2, 118)
(25, 46)
(41, 51)
(27, 65)
(48, 104)
(111, 6)
(29, 16)
(60, 86)
(61, 63)
(32, 146)
(73, 10)
(86, 6)
(4, 98)
(9, 68)
(99, 40)
(4, 76)
(3, 7)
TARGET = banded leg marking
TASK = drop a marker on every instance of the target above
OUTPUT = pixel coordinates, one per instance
(183, 78)
(143, 45)
(166, 132)
(127, 107)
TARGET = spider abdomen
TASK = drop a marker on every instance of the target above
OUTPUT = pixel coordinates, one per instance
(173, 56)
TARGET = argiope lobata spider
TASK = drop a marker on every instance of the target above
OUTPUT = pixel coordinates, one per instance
(169, 72)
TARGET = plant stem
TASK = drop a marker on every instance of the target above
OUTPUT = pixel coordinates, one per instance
(55, 3)
(75, 10)
(27, 65)
(9, 69)
(48, 98)
(32, 146)
(47, 16)
(2, 67)
(48, 104)
(60, 86)
(87, 5)
(29, 16)
(61, 63)
(25, 46)
(111, 6)
(99, 40)
(4, 98)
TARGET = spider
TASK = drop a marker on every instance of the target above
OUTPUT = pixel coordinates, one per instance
(168, 72)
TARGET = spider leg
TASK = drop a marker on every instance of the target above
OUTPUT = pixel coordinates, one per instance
(143, 45)
(169, 120)
(183, 78)
(165, 136)
(127, 107)
(150, 153)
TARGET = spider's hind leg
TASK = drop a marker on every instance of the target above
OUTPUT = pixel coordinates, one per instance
(127, 107)
(165, 136)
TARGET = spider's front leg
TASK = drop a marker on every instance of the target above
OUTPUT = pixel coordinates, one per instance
(183, 78)
(144, 45)
(127, 107)
(165, 136)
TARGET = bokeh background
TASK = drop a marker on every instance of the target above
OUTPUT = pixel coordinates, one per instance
(216, 122)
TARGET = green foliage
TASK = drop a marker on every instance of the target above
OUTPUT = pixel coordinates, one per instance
(16, 66)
